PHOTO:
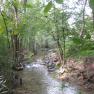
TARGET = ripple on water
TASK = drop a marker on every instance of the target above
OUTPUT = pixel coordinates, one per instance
(70, 90)
(43, 83)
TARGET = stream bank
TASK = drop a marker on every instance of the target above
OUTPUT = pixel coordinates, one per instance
(38, 80)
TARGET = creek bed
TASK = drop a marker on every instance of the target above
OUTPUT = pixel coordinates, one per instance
(37, 80)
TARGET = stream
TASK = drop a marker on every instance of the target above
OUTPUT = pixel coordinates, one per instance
(37, 80)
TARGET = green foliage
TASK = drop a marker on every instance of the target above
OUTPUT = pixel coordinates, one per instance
(15, 3)
(91, 3)
(3, 52)
(88, 36)
(77, 40)
(59, 1)
(81, 48)
(48, 7)
(29, 6)
(36, 30)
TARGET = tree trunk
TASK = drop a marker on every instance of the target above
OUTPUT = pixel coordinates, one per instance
(15, 45)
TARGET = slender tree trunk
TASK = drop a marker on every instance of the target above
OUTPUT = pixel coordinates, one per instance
(6, 30)
(60, 49)
(25, 2)
(93, 17)
(15, 37)
(64, 38)
(15, 46)
(83, 25)
(57, 37)
(64, 57)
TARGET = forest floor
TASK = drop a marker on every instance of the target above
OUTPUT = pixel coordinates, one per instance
(79, 74)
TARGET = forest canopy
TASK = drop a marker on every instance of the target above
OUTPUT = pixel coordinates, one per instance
(29, 26)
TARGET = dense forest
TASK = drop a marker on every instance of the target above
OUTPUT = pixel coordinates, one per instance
(53, 37)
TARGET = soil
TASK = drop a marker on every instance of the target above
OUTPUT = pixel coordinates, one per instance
(81, 74)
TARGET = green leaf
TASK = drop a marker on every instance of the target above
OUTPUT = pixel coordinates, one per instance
(59, 1)
(28, 6)
(77, 40)
(88, 36)
(15, 3)
(87, 53)
(48, 7)
(91, 3)
(1, 30)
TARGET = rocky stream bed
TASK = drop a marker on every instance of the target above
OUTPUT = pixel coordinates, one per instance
(38, 78)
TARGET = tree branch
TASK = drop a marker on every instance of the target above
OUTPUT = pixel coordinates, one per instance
(6, 29)
(83, 26)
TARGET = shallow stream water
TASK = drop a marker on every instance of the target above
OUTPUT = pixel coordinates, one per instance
(37, 80)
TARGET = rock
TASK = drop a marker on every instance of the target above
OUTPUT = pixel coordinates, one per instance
(18, 67)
